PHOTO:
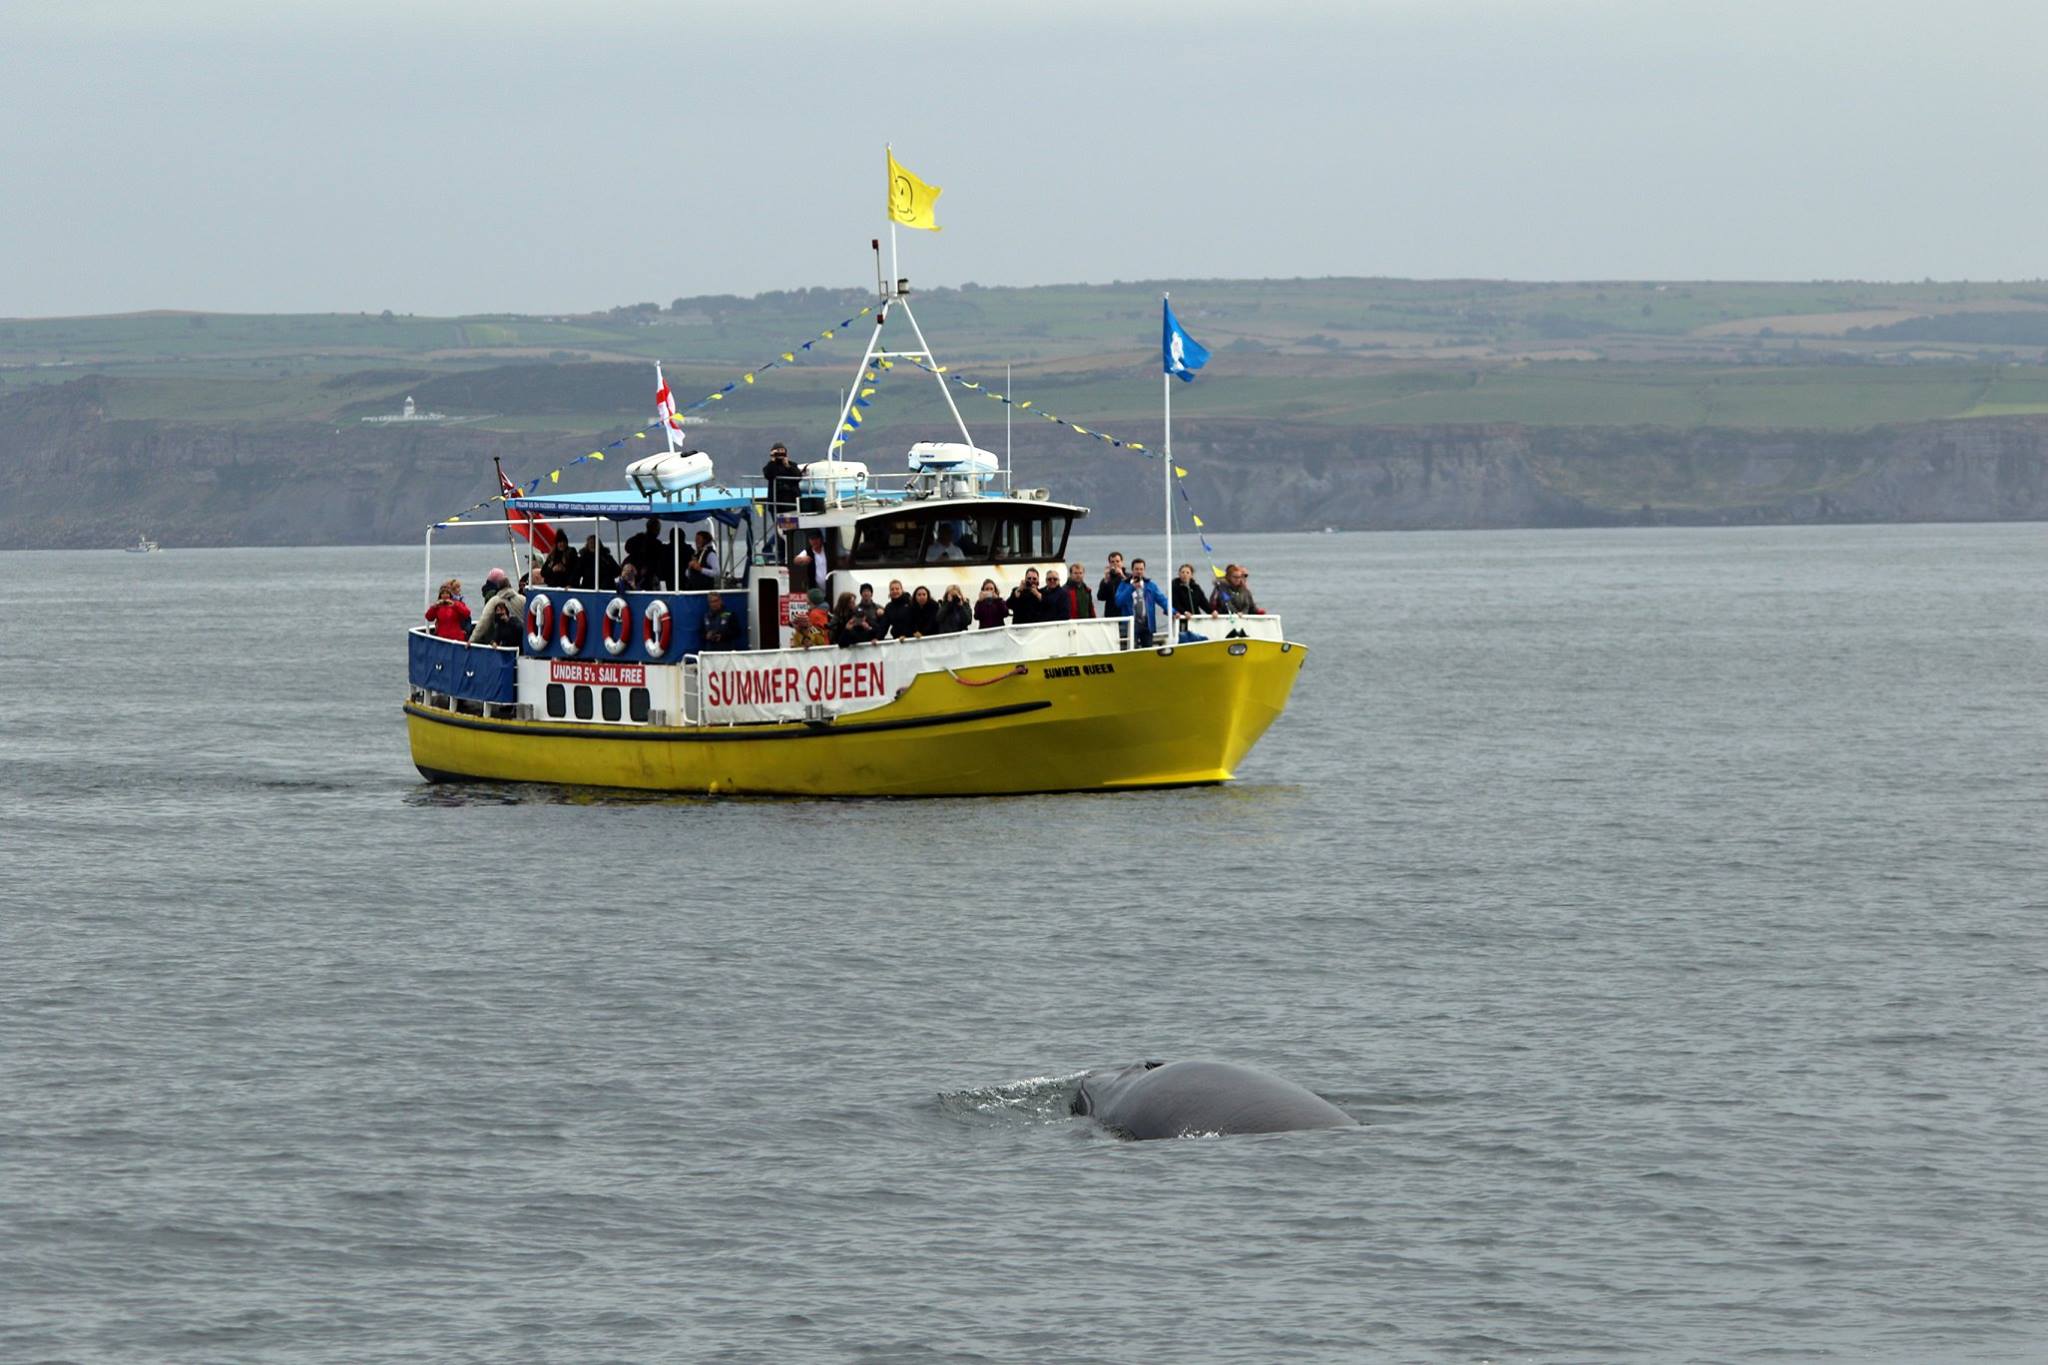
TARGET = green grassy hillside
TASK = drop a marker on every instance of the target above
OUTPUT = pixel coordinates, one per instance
(1821, 355)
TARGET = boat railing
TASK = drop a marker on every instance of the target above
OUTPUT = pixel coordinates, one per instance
(693, 692)
(1218, 625)
(484, 675)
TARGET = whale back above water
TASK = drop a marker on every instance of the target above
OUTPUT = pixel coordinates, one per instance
(1181, 1099)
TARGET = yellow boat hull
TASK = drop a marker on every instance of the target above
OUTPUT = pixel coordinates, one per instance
(1100, 722)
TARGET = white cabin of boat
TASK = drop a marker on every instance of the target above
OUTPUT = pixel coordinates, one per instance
(938, 530)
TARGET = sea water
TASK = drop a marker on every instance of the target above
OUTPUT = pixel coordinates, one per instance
(1667, 903)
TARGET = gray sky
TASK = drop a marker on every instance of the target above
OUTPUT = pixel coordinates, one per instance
(448, 156)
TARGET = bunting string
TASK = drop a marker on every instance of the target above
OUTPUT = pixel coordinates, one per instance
(1025, 405)
(1180, 472)
(863, 399)
(719, 395)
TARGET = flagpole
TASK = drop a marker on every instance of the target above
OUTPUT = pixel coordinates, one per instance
(1166, 477)
(668, 429)
(510, 544)
(895, 273)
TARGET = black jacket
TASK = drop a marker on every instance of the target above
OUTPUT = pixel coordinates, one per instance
(654, 560)
(782, 482)
(953, 617)
(1105, 592)
(896, 617)
(721, 630)
(1026, 607)
(506, 631)
(1054, 604)
(607, 568)
(1188, 599)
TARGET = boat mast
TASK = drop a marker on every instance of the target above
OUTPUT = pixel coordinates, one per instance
(894, 293)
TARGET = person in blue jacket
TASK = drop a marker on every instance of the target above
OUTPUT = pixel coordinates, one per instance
(1131, 592)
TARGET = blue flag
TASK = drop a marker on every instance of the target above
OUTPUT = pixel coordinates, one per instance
(1181, 353)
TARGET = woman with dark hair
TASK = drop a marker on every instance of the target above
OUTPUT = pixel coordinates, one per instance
(849, 626)
(562, 569)
(924, 613)
(990, 609)
(953, 614)
(1188, 598)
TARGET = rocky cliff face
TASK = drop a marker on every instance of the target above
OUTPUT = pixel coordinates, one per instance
(1278, 477)
(71, 476)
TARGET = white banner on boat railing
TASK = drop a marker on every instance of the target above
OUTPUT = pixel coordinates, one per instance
(791, 684)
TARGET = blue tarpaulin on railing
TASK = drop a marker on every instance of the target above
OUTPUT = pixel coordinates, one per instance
(472, 672)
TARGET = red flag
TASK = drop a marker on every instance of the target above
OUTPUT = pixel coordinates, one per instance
(537, 532)
(665, 407)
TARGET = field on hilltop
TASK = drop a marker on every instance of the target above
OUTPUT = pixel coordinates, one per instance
(1826, 355)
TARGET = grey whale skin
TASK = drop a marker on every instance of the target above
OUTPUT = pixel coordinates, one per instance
(1176, 1099)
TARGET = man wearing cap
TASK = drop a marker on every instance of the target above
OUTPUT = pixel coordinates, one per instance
(783, 477)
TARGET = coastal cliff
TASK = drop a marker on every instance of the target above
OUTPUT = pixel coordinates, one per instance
(71, 475)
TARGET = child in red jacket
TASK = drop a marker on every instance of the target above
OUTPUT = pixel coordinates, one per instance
(449, 616)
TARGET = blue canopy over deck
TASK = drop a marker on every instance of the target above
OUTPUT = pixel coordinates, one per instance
(709, 502)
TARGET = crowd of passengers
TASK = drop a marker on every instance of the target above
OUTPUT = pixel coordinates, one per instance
(503, 619)
(861, 620)
(679, 563)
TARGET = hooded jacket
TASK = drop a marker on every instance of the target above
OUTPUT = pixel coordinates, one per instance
(481, 632)
(1237, 599)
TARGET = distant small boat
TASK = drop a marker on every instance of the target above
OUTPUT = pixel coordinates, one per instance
(1329, 530)
(144, 546)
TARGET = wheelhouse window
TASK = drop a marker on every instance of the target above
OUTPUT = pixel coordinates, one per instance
(1018, 537)
(890, 542)
(931, 535)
